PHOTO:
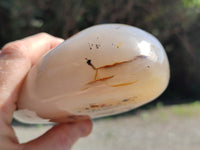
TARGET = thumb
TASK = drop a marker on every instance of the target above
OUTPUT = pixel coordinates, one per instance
(61, 137)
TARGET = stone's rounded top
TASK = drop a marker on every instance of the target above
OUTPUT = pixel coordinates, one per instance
(120, 39)
(100, 71)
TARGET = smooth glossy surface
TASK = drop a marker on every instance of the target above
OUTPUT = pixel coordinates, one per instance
(103, 70)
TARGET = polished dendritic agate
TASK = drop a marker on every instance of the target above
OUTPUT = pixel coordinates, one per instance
(103, 70)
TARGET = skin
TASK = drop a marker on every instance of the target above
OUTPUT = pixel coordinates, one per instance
(16, 59)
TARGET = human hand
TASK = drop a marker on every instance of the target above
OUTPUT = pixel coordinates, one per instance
(16, 59)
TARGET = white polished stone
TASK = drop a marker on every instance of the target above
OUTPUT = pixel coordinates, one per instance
(102, 70)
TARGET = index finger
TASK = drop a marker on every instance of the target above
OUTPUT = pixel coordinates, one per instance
(32, 47)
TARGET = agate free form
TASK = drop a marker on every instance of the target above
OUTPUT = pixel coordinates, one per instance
(102, 70)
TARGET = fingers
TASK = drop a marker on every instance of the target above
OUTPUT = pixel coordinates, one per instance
(61, 137)
(16, 59)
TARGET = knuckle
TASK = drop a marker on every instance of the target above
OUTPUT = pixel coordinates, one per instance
(16, 49)
(14, 45)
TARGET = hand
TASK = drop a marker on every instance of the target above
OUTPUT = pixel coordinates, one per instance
(16, 59)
